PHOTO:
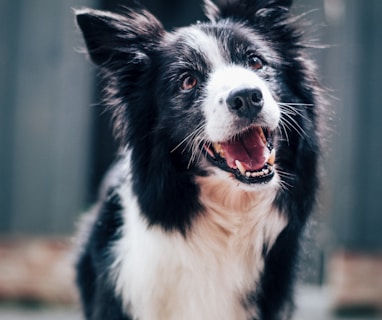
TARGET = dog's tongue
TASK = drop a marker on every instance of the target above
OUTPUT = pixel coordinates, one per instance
(249, 149)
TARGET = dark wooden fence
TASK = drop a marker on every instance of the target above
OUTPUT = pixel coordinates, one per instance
(355, 165)
(45, 90)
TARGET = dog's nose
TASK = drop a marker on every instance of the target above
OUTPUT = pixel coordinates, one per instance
(246, 102)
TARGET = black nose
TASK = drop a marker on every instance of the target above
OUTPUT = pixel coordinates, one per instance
(246, 102)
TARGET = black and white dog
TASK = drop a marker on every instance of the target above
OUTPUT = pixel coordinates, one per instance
(200, 217)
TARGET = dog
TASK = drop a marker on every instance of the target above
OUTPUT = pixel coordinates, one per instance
(200, 216)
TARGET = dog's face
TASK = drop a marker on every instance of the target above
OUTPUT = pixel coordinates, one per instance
(230, 97)
(217, 85)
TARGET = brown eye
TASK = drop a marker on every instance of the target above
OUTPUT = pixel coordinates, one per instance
(188, 82)
(255, 62)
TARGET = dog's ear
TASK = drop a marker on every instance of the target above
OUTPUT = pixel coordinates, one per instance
(244, 9)
(112, 39)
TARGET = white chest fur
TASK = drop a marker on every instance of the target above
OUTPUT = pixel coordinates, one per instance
(164, 276)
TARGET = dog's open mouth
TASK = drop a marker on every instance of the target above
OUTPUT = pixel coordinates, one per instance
(250, 156)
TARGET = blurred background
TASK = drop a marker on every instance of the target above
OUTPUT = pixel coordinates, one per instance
(55, 145)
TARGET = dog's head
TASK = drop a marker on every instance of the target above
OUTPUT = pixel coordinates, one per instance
(233, 96)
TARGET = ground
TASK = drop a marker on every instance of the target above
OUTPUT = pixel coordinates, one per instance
(313, 304)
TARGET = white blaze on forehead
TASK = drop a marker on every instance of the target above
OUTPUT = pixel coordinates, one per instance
(224, 77)
(207, 45)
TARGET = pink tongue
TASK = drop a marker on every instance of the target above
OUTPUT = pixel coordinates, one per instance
(250, 150)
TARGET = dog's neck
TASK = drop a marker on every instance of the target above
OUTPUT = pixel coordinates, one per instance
(232, 213)
(227, 195)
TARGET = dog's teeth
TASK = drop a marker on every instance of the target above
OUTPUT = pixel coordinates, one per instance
(248, 174)
(218, 149)
(240, 167)
(272, 157)
(256, 174)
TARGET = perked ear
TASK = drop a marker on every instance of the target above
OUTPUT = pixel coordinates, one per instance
(243, 9)
(112, 39)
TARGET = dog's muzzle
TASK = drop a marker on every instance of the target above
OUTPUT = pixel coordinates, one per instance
(250, 156)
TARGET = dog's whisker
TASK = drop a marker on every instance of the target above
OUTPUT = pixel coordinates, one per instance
(291, 124)
(296, 104)
(287, 176)
(283, 127)
(189, 137)
(285, 186)
(295, 122)
(200, 151)
(190, 145)
(193, 144)
(190, 141)
(291, 109)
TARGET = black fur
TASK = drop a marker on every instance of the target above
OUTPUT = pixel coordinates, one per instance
(95, 289)
(142, 79)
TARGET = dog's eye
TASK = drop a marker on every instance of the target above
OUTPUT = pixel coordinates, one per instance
(188, 82)
(255, 62)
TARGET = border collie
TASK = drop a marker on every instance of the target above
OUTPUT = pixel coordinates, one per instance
(201, 215)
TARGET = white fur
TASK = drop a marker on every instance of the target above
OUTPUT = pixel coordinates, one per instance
(205, 276)
(221, 122)
(206, 45)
